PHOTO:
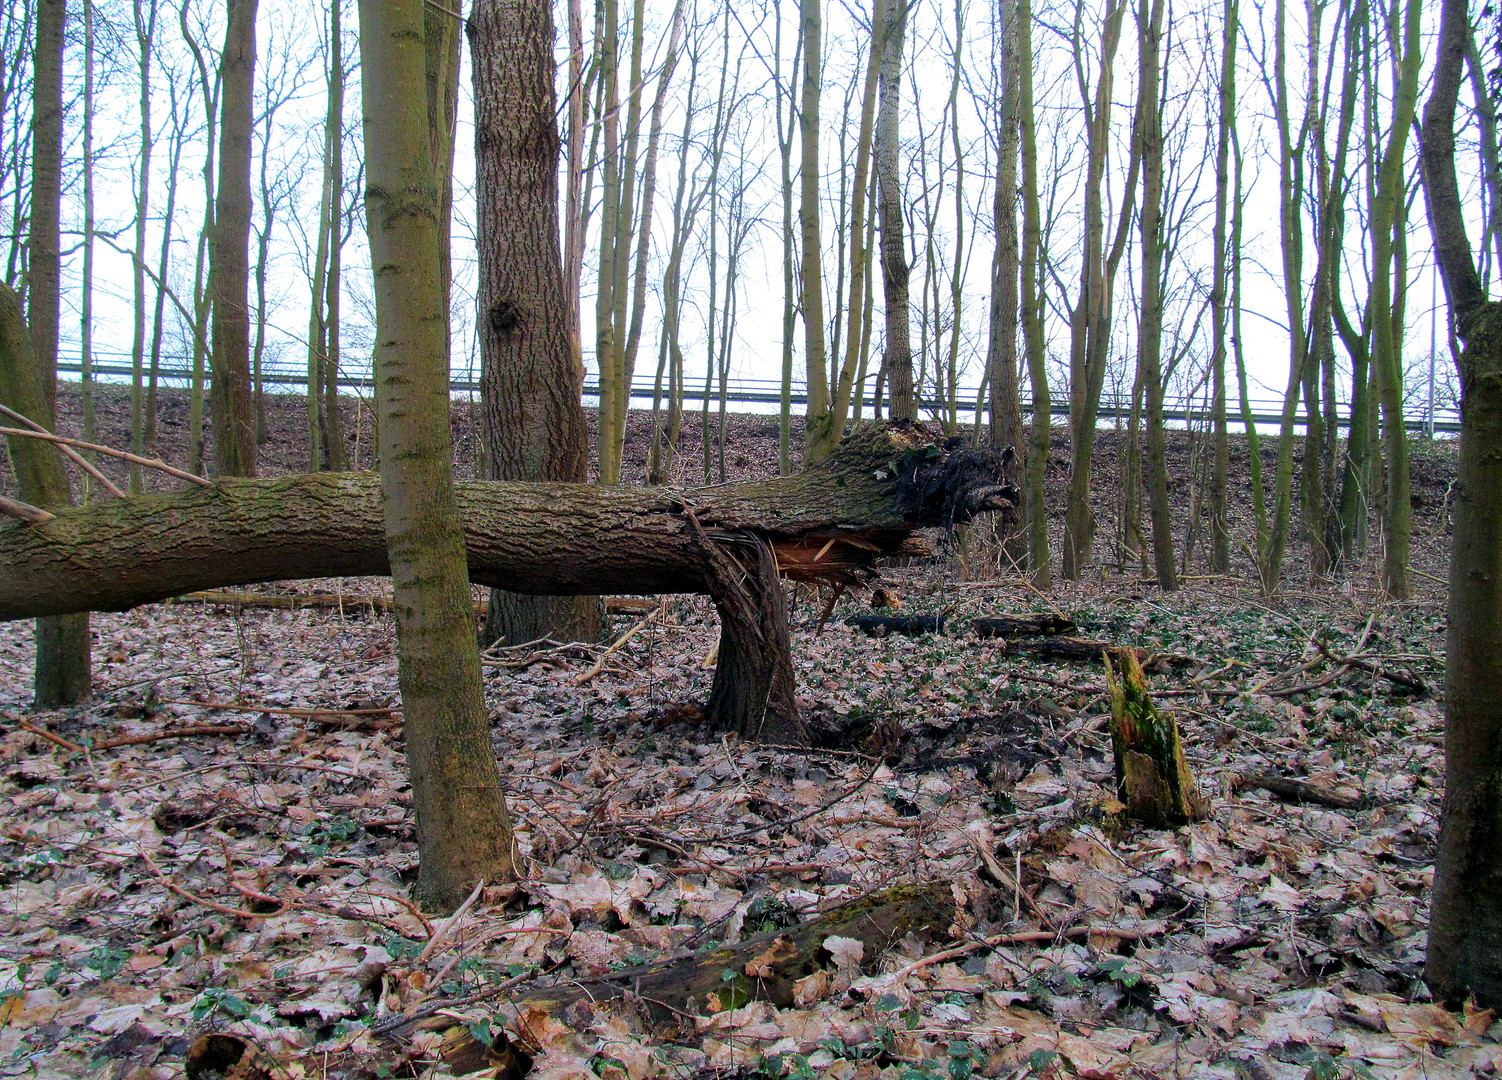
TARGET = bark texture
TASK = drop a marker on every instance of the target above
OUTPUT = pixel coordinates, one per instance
(463, 829)
(63, 673)
(231, 403)
(44, 259)
(1465, 931)
(530, 381)
(898, 360)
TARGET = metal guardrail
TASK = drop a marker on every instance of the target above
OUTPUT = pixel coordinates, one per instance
(766, 392)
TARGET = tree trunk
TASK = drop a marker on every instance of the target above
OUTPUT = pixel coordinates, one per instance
(898, 360)
(63, 675)
(1006, 410)
(1220, 534)
(44, 257)
(232, 405)
(1465, 932)
(815, 363)
(464, 831)
(826, 524)
(1150, 329)
(29, 360)
(532, 419)
(1090, 319)
(1040, 433)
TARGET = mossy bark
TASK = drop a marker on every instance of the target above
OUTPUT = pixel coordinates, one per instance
(63, 673)
(1152, 777)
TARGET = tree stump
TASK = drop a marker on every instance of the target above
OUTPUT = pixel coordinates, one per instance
(1152, 777)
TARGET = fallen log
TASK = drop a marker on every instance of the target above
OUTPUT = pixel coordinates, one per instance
(906, 625)
(828, 524)
(614, 605)
(761, 968)
(1047, 624)
(1089, 652)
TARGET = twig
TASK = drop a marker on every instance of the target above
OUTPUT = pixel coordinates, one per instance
(69, 453)
(193, 730)
(32, 515)
(627, 636)
(445, 927)
(149, 463)
(307, 714)
(44, 733)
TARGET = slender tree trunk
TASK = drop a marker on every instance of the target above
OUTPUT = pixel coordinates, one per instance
(1397, 522)
(1006, 408)
(177, 144)
(1040, 433)
(28, 362)
(464, 831)
(815, 364)
(1150, 328)
(44, 256)
(897, 362)
(1090, 320)
(232, 403)
(1465, 931)
(532, 420)
(789, 238)
(1220, 534)
(86, 317)
(825, 429)
(145, 38)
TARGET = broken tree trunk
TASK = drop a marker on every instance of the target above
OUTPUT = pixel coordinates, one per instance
(828, 524)
(761, 968)
(1152, 777)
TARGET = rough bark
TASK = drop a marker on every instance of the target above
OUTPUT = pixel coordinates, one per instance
(232, 405)
(63, 675)
(1150, 327)
(28, 361)
(826, 524)
(1040, 429)
(898, 361)
(815, 362)
(44, 258)
(1465, 932)
(532, 419)
(464, 831)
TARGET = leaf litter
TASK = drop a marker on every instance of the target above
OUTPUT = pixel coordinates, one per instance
(249, 882)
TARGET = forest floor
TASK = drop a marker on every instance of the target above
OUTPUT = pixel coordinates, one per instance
(222, 841)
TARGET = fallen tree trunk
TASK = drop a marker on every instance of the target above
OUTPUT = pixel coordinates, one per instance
(828, 524)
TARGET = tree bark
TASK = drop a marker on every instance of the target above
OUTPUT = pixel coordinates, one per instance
(898, 360)
(464, 831)
(1465, 932)
(44, 258)
(815, 362)
(63, 673)
(232, 406)
(532, 419)
(28, 361)
(1150, 328)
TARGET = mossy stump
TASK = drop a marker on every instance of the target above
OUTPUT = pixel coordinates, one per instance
(1152, 777)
